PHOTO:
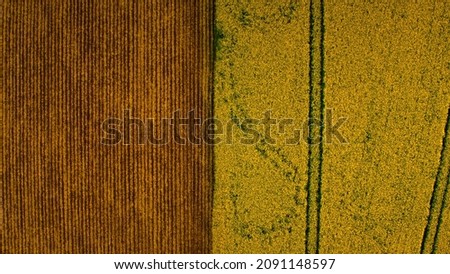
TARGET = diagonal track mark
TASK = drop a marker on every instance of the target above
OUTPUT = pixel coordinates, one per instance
(437, 201)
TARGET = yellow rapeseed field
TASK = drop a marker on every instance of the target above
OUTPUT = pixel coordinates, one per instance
(381, 65)
(261, 64)
(387, 70)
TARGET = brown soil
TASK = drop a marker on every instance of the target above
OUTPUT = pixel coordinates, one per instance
(68, 66)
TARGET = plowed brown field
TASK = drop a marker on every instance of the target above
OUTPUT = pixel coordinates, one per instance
(68, 66)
